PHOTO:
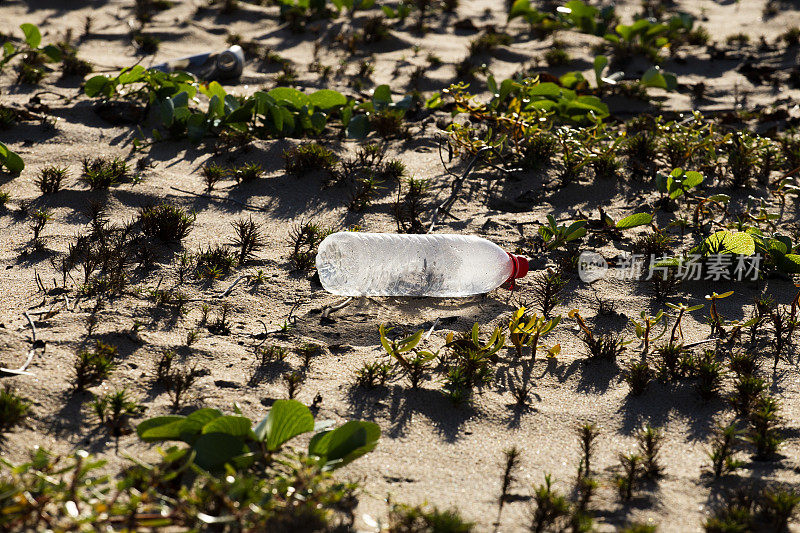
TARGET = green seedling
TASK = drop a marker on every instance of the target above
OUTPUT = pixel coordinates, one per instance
(293, 380)
(50, 178)
(555, 235)
(416, 366)
(115, 410)
(649, 440)
(678, 182)
(644, 328)
(374, 374)
(764, 434)
(510, 467)
(723, 448)
(248, 239)
(715, 319)
(304, 239)
(166, 222)
(93, 366)
(469, 362)
(525, 331)
(681, 309)
(638, 377)
(605, 347)
(309, 157)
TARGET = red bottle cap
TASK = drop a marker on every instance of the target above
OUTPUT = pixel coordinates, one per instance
(519, 268)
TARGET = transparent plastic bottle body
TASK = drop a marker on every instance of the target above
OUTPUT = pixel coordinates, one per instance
(382, 264)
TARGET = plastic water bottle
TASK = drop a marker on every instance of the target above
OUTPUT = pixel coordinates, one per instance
(384, 264)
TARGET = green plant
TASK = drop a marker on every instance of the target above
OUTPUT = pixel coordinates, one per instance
(294, 380)
(10, 160)
(556, 56)
(747, 391)
(555, 235)
(309, 157)
(678, 182)
(248, 239)
(644, 328)
(213, 174)
(605, 347)
(166, 222)
(31, 69)
(218, 439)
(373, 374)
(469, 363)
(552, 509)
(93, 366)
(627, 480)
(39, 219)
(408, 208)
(13, 408)
(649, 440)
(510, 466)
(101, 173)
(412, 519)
(723, 448)
(524, 330)
(214, 262)
(547, 287)
(709, 373)
(305, 238)
(247, 172)
(763, 432)
(114, 411)
(414, 367)
(587, 436)
(50, 178)
(638, 377)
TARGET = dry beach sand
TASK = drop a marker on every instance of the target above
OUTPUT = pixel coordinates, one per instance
(431, 451)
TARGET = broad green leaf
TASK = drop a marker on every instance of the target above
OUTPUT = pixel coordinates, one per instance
(286, 419)
(11, 160)
(52, 52)
(382, 97)
(342, 445)
(238, 426)
(326, 99)
(293, 96)
(600, 63)
(160, 428)
(215, 449)
(520, 8)
(96, 85)
(32, 35)
(358, 127)
(790, 263)
(166, 111)
(729, 242)
(632, 221)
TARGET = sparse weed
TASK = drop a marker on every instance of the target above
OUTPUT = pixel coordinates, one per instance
(166, 222)
(93, 366)
(248, 239)
(214, 262)
(101, 173)
(309, 157)
(305, 238)
(115, 410)
(50, 178)
(13, 408)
